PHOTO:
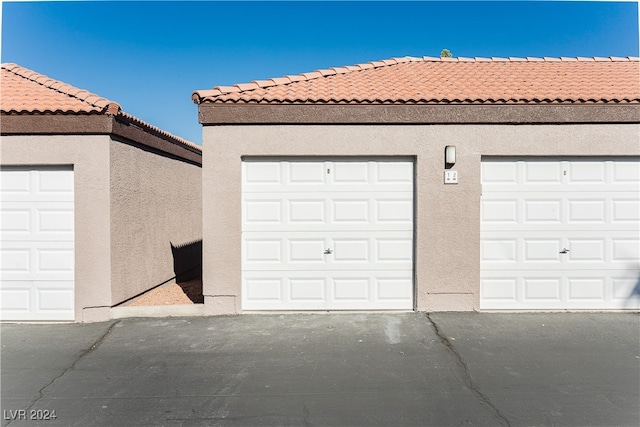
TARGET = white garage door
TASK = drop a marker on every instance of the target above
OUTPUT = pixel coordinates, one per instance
(37, 244)
(319, 235)
(560, 234)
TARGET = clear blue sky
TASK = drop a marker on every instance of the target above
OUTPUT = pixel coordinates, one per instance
(150, 56)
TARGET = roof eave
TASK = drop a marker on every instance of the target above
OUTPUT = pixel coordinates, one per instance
(248, 114)
(120, 127)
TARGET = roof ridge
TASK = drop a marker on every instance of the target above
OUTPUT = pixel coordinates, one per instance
(199, 95)
(107, 106)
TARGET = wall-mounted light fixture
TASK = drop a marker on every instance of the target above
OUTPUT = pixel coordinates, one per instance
(449, 156)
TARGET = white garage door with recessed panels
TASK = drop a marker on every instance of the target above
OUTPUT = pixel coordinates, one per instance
(327, 234)
(560, 233)
(37, 243)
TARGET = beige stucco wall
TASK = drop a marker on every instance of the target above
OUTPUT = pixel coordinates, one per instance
(89, 156)
(155, 200)
(447, 223)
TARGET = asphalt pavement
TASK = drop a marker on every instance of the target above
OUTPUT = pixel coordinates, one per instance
(393, 369)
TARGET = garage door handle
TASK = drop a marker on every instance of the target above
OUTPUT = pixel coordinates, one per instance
(328, 252)
(564, 251)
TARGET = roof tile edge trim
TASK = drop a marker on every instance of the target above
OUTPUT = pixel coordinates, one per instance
(160, 132)
(200, 96)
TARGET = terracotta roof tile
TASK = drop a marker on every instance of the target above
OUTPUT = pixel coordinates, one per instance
(430, 80)
(23, 91)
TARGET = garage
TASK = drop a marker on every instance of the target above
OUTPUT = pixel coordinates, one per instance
(520, 190)
(88, 199)
(560, 233)
(327, 234)
(37, 243)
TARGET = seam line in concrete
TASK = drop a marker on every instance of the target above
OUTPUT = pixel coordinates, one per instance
(465, 369)
(86, 352)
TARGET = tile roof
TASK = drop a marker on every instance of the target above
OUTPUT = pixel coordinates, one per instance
(23, 91)
(429, 80)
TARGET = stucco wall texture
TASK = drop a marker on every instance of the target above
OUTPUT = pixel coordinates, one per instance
(447, 217)
(130, 203)
(155, 201)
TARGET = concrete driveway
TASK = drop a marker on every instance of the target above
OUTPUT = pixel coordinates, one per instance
(395, 369)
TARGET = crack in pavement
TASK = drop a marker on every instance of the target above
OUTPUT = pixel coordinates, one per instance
(465, 369)
(82, 355)
(305, 412)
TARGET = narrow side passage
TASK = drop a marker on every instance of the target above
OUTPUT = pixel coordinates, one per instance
(81, 356)
(465, 369)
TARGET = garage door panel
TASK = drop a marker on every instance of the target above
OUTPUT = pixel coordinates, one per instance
(511, 172)
(586, 211)
(37, 300)
(560, 234)
(537, 250)
(396, 173)
(541, 290)
(52, 181)
(289, 211)
(625, 210)
(54, 262)
(15, 261)
(55, 219)
(15, 182)
(336, 251)
(53, 297)
(498, 212)
(351, 288)
(307, 289)
(306, 212)
(542, 172)
(600, 249)
(327, 234)
(16, 298)
(533, 289)
(352, 173)
(626, 172)
(626, 290)
(394, 210)
(29, 184)
(588, 250)
(305, 250)
(351, 211)
(352, 249)
(394, 250)
(326, 176)
(500, 250)
(15, 220)
(37, 260)
(37, 254)
(33, 221)
(625, 250)
(542, 211)
(586, 288)
(340, 290)
(499, 292)
(587, 172)
(306, 173)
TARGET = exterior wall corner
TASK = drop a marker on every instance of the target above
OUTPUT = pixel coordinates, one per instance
(221, 305)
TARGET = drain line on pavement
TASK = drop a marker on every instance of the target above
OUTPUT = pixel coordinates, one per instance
(88, 351)
(465, 370)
